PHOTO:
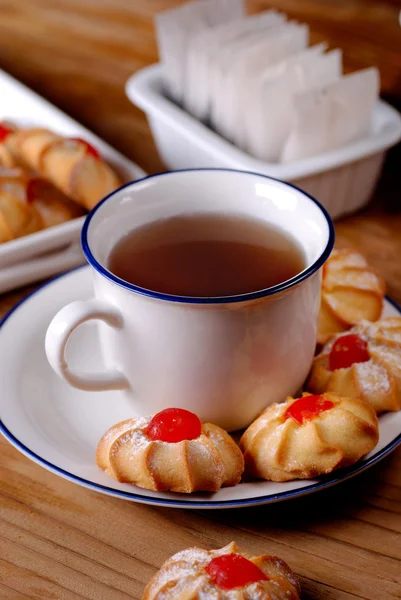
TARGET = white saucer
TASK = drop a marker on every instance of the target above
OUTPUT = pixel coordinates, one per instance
(59, 427)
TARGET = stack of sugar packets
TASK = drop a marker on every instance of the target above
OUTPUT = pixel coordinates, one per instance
(255, 80)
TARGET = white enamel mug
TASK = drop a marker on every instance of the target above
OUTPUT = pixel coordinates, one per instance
(223, 358)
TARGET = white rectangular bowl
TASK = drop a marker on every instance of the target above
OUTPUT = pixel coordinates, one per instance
(342, 180)
(25, 108)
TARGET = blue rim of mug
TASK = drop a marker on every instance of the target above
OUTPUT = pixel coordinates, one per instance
(324, 483)
(285, 285)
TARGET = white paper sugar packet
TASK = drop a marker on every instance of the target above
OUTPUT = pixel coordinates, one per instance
(332, 116)
(272, 76)
(204, 49)
(229, 52)
(269, 117)
(174, 29)
(278, 43)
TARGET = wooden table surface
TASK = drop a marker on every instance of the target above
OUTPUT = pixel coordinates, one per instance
(61, 541)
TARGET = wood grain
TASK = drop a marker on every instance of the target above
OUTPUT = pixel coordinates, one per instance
(59, 541)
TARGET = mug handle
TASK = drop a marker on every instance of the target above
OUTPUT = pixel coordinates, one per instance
(59, 331)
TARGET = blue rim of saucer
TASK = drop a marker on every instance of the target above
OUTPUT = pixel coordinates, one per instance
(324, 482)
(305, 274)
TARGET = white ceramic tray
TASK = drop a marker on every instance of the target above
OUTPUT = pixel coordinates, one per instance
(26, 108)
(342, 180)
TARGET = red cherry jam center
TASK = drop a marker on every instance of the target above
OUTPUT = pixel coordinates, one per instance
(174, 425)
(88, 148)
(347, 350)
(307, 407)
(34, 189)
(4, 132)
(230, 571)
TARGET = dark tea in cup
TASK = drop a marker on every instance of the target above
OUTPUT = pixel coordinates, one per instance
(206, 255)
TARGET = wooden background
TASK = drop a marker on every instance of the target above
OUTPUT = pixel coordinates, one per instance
(59, 541)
